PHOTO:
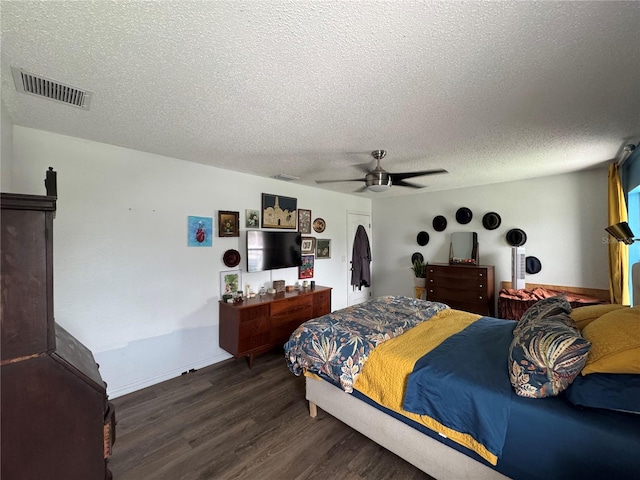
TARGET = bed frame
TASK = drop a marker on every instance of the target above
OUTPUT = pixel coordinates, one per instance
(422, 451)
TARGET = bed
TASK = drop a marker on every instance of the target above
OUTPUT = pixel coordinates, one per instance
(437, 387)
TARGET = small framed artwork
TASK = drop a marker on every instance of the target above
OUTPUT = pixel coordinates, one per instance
(306, 267)
(252, 219)
(228, 224)
(230, 282)
(308, 245)
(279, 211)
(199, 231)
(304, 220)
(323, 248)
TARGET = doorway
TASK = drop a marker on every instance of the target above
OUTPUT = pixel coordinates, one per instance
(357, 295)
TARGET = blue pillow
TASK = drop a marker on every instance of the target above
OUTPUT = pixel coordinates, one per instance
(612, 391)
(546, 356)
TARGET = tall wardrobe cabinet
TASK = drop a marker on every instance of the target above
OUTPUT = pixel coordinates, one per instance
(56, 421)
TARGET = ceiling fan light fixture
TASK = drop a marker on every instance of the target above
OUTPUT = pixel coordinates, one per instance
(378, 182)
(378, 188)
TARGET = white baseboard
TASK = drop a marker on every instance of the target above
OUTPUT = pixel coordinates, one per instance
(147, 382)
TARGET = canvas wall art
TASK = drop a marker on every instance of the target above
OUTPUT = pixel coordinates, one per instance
(279, 211)
(199, 231)
(306, 268)
(252, 219)
(323, 248)
(228, 224)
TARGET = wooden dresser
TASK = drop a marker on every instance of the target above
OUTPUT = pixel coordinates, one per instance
(261, 323)
(56, 421)
(463, 287)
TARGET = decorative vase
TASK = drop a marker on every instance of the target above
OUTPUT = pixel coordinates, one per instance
(419, 282)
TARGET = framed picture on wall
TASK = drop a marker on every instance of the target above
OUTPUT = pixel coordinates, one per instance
(252, 219)
(304, 220)
(199, 231)
(306, 267)
(230, 282)
(228, 224)
(308, 245)
(279, 211)
(323, 248)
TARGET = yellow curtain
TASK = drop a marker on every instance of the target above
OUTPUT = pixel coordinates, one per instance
(618, 251)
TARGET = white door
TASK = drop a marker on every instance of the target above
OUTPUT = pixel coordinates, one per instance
(356, 295)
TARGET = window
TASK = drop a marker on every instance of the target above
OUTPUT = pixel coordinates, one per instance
(633, 204)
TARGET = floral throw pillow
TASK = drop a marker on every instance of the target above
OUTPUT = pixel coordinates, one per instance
(546, 308)
(546, 356)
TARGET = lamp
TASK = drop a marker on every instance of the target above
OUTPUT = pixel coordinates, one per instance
(621, 232)
(378, 181)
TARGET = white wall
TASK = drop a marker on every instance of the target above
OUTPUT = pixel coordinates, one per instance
(6, 149)
(125, 282)
(564, 217)
(128, 287)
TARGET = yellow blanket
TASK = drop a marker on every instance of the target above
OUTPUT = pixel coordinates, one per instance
(395, 359)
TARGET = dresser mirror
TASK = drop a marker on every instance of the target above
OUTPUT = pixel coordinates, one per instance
(463, 248)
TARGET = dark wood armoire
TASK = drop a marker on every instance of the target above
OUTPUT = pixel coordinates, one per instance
(56, 421)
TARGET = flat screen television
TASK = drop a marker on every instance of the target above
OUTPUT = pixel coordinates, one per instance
(268, 250)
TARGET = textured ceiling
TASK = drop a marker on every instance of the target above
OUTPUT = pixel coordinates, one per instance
(490, 91)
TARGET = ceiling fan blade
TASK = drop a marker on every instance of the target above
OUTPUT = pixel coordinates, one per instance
(364, 167)
(402, 183)
(333, 181)
(395, 177)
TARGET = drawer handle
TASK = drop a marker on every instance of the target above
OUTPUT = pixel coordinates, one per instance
(480, 274)
(480, 285)
(431, 290)
(480, 297)
(431, 280)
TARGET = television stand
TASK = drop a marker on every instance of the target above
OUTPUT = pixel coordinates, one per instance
(258, 324)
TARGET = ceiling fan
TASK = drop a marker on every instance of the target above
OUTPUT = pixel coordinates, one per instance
(379, 180)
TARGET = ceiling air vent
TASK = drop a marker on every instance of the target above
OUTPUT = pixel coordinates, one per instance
(45, 87)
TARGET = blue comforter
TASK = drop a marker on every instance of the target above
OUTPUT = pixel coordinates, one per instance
(465, 385)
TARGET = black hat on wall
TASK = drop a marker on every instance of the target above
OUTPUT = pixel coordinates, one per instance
(532, 265)
(516, 237)
(464, 215)
(439, 223)
(416, 256)
(491, 220)
(423, 238)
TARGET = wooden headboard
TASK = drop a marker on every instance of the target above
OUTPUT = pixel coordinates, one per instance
(598, 293)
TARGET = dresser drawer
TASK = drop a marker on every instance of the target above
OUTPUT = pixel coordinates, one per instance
(254, 313)
(254, 342)
(321, 304)
(457, 272)
(291, 309)
(249, 328)
(473, 283)
(457, 294)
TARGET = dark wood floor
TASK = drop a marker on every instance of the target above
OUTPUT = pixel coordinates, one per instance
(231, 422)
